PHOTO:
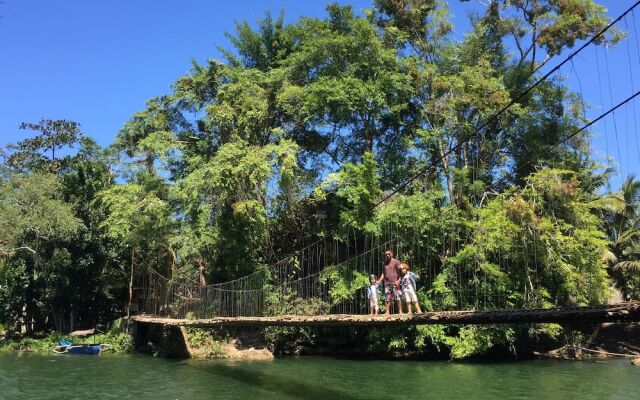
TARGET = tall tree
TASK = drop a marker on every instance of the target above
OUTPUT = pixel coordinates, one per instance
(39, 152)
(33, 219)
(347, 87)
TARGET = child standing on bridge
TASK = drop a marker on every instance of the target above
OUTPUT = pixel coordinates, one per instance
(372, 293)
(408, 283)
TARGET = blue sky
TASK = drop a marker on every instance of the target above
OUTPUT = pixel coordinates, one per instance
(97, 62)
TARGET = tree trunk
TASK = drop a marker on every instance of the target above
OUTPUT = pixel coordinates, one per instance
(56, 322)
(446, 170)
(71, 321)
(133, 260)
(23, 321)
(203, 281)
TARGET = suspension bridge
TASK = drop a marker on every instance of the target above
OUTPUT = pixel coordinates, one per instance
(324, 284)
(310, 290)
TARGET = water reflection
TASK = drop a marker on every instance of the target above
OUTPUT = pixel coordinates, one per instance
(142, 377)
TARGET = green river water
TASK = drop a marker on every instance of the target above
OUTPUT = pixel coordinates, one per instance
(32, 376)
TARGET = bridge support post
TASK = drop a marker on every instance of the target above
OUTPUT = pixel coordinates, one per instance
(160, 340)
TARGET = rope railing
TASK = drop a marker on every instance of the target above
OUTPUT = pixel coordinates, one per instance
(338, 288)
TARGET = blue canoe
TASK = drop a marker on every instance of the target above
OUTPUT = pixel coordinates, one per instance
(68, 347)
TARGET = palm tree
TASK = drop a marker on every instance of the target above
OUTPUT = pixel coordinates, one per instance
(623, 228)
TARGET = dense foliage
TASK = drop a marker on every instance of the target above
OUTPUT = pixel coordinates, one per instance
(306, 126)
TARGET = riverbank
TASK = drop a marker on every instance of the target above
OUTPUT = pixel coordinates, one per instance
(181, 342)
(606, 341)
(599, 341)
(574, 343)
(115, 341)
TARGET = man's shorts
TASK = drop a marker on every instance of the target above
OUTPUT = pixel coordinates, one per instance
(391, 293)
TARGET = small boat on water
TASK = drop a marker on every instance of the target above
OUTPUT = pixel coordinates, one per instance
(66, 346)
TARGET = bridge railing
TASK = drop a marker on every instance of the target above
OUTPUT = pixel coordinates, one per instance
(304, 286)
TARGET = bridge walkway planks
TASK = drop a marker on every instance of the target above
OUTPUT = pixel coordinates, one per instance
(620, 312)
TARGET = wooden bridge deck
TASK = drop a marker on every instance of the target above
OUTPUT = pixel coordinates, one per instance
(629, 311)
